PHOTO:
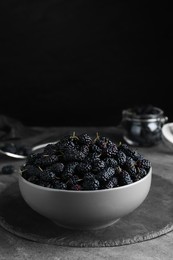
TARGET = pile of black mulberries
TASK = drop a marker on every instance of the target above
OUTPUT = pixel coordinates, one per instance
(79, 162)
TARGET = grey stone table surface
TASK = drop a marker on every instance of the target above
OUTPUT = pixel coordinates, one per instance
(17, 248)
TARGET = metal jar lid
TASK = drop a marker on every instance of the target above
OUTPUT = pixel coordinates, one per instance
(157, 114)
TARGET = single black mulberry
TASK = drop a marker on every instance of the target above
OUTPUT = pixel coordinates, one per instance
(121, 158)
(83, 167)
(47, 176)
(8, 169)
(110, 162)
(98, 165)
(46, 160)
(91, 184)
(106, 174)
(110, 150)
(73, 180)
(112, 183)
(73, 155)
(85, 139)
(57, 167)
(31, 170)
(144, 163)
(124, 178)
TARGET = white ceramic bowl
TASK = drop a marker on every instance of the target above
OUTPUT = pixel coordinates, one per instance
(167, 135)
(85, 209)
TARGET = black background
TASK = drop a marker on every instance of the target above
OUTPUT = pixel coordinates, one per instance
(82, 62)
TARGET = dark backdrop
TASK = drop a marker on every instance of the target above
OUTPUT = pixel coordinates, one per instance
(81, 62)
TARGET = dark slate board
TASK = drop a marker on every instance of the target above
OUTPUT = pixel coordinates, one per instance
(152, 219)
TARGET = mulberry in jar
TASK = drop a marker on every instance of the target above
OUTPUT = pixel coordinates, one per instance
(142, 125)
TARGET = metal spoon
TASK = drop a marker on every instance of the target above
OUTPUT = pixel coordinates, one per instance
(19, 156)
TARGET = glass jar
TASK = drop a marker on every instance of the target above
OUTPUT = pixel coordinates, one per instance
(143, 127)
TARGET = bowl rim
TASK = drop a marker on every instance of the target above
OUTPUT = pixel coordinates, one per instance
(85, 191)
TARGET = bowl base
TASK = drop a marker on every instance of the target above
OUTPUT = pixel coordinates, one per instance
(89, 227)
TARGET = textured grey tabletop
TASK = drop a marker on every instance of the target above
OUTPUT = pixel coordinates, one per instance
(160, 248)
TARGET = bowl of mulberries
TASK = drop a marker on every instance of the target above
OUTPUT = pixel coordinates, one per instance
(84, 182)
